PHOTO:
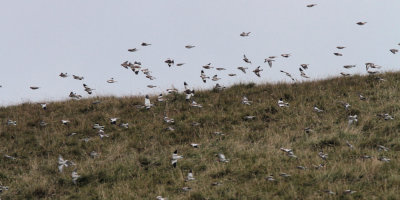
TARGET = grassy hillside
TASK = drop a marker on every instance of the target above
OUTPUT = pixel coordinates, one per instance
(135, 163)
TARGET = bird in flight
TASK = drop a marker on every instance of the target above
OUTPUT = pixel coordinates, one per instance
(243, 69)
(63, 75)
(145, 44)
(269, 60)
(34, 87)
(245, 59)
(189, 46)
(311, 5)
(257, 71)
(361, 23)
(244, 34)
(175, 158)
(133, 50)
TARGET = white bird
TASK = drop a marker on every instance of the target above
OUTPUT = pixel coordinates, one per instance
(44, 106)
(194, 145)
(161, 198)
(215, 78)
(75, 176)
(10, 157)
(94, 154)
(269, 60)
(97, 126)
(65, 122)
(190, 176)
(284, 175)
(323, 155)
(175, 158)
(160, 98)
(270, 178)
(168, 120)
(147, 102)
(349, 192)
(380, 147)
(221, 158)
(362, 98)
(124, 125)
(281, 103)
(11, 122)
(218, 87)
(63, 163)
(43, 123)
(186, 189)
(102, 134)
(246, 101)
(195, 104)
(203, 76)
(316, 109)
(248, 117)
(349, 145)
(113, 120)
(353, 119)
(384, 159)
(111, 80)
(301, 167)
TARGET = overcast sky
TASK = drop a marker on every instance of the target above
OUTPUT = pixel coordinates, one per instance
(42, 38)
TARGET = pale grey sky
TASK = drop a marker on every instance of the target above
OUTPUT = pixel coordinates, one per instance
(40, 39)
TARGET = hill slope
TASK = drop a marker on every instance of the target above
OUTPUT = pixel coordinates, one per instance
(135, 163)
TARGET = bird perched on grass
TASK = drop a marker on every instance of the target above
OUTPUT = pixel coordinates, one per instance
(246, 101)
(75, 176)
(147, 102)
(190, 176)
(281, 103)
(221, 158)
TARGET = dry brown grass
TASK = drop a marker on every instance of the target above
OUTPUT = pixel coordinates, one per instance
(134, 163)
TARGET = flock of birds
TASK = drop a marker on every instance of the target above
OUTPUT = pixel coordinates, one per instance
(137, 67)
